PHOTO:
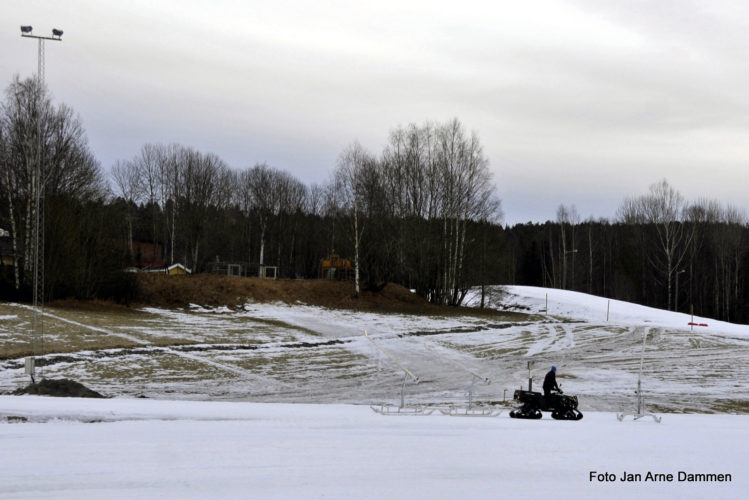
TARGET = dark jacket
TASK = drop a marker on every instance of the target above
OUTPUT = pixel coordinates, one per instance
(550, 382)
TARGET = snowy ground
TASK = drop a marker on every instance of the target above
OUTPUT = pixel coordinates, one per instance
(241, 440)
(303, 354)
(130, 448)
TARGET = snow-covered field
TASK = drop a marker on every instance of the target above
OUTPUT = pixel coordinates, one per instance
(186, 449)
(216, 424)
(302, 354)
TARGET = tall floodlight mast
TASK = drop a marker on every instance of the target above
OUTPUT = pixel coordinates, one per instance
(38, 182)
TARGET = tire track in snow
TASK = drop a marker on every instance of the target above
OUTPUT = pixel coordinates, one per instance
(564, 338)
(230, 369)
(545, 341)
(569, 336)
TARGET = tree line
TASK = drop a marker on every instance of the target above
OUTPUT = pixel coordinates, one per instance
(423, 212)
(401, 215)
(661, 251)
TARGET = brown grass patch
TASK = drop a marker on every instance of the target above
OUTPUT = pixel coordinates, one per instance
(95, 306)
(215, 290)
(165, 291)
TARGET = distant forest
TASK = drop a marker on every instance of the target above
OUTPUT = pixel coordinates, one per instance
(423, 213)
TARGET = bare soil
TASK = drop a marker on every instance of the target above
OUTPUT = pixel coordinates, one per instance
(215, 290)
(159, 290)
(59, 388)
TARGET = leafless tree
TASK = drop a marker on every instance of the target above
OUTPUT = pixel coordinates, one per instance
(171, 160)
(563, 219)
(663, 209)
(438, 173)
(315, 199)
(201, 175)
(45, 154)
(728, 244)
(703, 214)
(567, 216)
(25, 118)
(292, 195)
(8, 187)
(349, 179)
(149, 175)
(260, 185)
(127, 186)
(466, 194)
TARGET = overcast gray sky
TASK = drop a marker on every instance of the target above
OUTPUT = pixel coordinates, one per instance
(579, 102)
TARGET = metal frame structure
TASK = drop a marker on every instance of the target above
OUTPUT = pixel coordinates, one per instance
(640, 413)
(403, 409)
(470, 410)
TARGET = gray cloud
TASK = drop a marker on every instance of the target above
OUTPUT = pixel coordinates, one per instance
(581, 102)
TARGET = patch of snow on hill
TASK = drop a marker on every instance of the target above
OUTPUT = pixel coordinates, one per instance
(593, 309)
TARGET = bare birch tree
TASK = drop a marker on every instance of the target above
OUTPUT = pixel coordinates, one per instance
(127, 186)
(149, 175)
(349, 181)
(260, 186)
(46, 154)
(466, 194)
(663, 209)
(200, 191)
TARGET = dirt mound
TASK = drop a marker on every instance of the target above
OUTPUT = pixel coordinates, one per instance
(215, 290)
(61, 388)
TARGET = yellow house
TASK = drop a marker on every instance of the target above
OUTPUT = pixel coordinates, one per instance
(177, 269)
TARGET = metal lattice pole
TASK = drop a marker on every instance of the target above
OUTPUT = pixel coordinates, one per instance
(40, 61)
(38, 184)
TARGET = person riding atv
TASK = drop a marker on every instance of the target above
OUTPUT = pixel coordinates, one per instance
(550, 382)
(551, 388)
(533, 403)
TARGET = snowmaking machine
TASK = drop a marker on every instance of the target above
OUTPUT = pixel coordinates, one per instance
(561, 406)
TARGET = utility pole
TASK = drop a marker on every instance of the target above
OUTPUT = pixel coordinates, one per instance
(676, 290)
(564, 267)
(39, 180)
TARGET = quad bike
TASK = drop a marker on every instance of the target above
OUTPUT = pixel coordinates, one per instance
(561, 407)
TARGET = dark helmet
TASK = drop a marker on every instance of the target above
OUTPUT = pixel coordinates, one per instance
(553, 368)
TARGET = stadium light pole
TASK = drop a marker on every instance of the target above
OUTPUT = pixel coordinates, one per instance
(26, 32)
(37, 317)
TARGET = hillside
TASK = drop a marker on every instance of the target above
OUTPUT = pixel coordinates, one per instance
(271, 349)
(237, 365)
(216, 290)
